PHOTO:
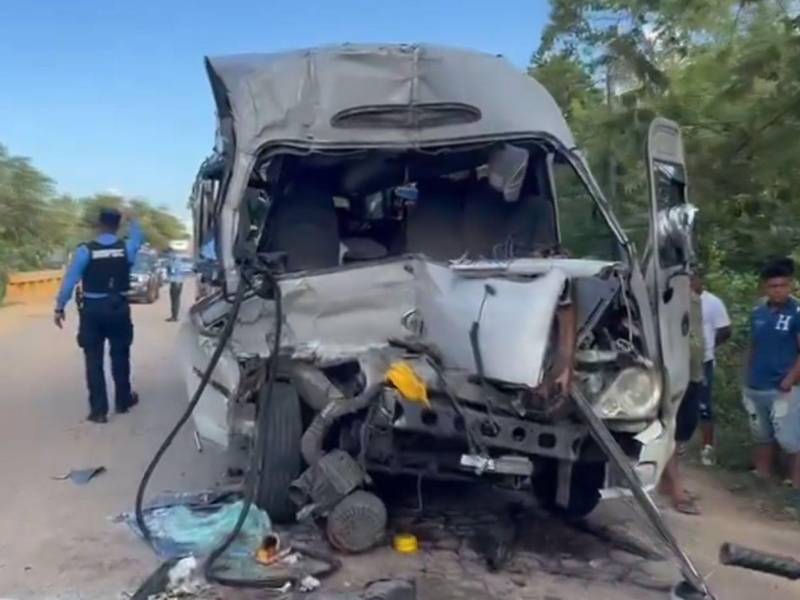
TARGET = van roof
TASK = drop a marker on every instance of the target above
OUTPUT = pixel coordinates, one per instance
(403, 96)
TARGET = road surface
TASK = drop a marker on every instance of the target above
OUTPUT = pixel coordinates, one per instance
(57, 540)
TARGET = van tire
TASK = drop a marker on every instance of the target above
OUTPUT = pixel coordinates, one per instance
(283, 430)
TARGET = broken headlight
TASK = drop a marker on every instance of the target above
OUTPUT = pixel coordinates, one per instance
(633, 394)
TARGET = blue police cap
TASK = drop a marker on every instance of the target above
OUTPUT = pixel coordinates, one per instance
(110, 217)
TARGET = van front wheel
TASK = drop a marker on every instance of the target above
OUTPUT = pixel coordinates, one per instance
(280, 440)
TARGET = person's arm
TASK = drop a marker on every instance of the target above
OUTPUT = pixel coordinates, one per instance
(70, 280)
(722, 324)
(793, 376)
(566, 319)
(135, 240)
(748, 353)
(565, 356)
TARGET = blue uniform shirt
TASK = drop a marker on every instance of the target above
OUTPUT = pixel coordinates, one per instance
(175, 269)
(81, 260)
(774, 350)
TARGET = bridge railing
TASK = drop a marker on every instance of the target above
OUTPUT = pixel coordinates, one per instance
(32, 286)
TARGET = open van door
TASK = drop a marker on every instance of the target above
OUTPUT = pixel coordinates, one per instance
(670, 252)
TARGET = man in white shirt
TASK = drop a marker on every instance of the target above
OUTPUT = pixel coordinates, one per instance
(716, 331)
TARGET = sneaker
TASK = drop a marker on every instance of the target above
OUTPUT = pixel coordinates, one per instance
(97, 418)
(707, 456)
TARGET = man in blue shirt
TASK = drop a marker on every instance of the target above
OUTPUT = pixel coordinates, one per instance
(103, 268)
(175, 274)
(772, 398)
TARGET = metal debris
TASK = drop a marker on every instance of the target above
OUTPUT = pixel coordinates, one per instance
(82, 476)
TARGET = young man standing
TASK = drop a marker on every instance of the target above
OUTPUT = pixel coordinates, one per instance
(772, 398)
(716, 331)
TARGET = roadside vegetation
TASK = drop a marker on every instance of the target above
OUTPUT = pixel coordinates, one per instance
(39, 228)
(729, 72)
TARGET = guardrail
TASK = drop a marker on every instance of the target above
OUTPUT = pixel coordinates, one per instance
(33, 286)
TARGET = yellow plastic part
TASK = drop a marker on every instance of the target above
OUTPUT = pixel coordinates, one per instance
(402, 376)
(406, 543)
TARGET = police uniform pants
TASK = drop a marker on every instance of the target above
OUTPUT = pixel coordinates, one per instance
(175, 289)
(104, 319)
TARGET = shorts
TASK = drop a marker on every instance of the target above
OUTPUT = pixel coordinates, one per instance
(688, 413)
(706, 407)
(774, 417)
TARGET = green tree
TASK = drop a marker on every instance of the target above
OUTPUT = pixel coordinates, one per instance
(38, 228)
(729, 73)
(24, 213)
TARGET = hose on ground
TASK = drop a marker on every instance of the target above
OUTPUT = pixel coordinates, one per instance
(225, 335)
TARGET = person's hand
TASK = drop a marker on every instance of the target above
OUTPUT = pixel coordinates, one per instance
(563, 383)
(787, 383)
(58, 318)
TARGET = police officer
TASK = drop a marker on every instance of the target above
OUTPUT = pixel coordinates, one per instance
(103, 268)
(175, 275)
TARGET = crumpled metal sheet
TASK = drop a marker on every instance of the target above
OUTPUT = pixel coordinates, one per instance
(333, 315)
(514, 320)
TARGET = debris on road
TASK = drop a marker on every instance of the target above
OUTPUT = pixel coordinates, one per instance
(270, 551)
(309, 583)
(175, 578)
(406, 543)
(189, 526)
(82, 476)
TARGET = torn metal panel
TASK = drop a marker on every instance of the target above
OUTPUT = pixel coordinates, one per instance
(514, 320)
(333, 315)
(572, 267)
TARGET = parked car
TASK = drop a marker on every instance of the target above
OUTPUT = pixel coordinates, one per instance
(451, 277)
(145, 279)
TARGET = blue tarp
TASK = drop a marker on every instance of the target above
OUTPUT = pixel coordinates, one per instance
(194, 524)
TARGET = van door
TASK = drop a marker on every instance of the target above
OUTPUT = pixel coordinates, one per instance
(668, 256)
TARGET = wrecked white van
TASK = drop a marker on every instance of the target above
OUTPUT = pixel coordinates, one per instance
(450, 276)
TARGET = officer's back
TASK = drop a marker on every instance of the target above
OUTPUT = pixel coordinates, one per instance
(102, 266)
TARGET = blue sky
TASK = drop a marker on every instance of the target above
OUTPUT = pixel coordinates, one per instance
(112, 95)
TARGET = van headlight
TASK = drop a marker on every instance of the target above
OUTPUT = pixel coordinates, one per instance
(634, 394)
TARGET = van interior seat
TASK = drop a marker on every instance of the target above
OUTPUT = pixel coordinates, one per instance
(304, 225)
(486, 221)
(433, 226)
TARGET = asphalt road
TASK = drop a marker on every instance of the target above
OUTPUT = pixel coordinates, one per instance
(57, 540)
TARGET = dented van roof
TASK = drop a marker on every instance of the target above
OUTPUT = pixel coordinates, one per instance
(403, 96)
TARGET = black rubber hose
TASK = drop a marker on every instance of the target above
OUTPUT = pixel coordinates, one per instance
(739, 556)
(223, 340)
(256, 460)
(256, 466)
(255, 473)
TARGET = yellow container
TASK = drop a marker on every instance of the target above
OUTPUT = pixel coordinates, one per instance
(406, 543)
